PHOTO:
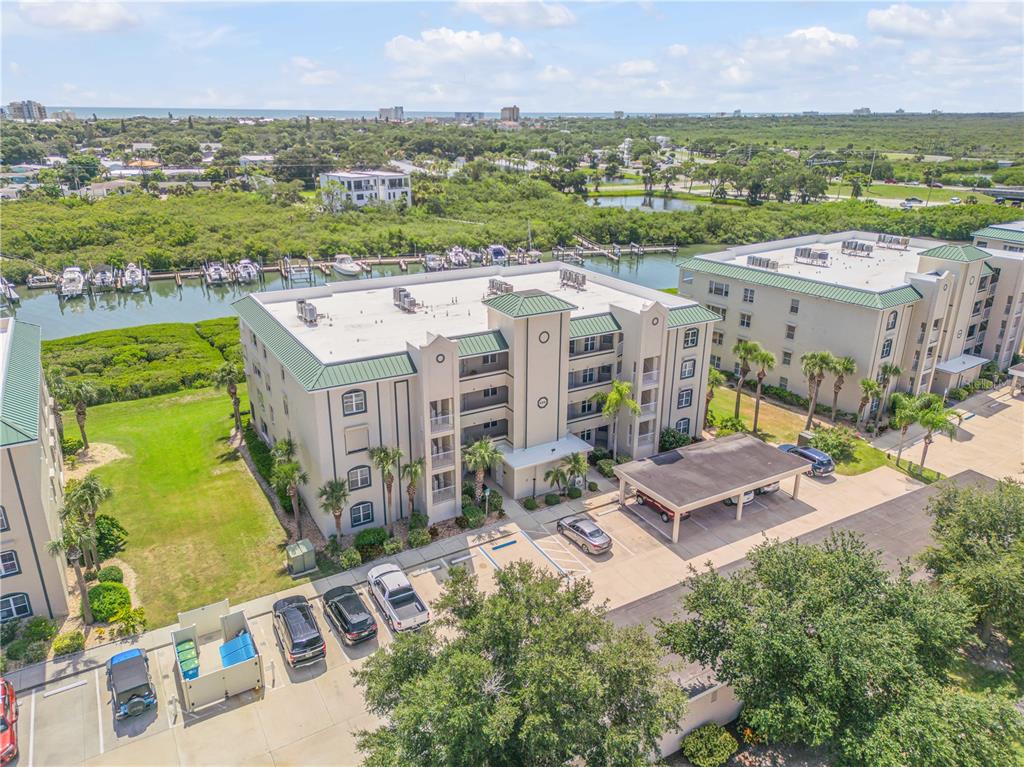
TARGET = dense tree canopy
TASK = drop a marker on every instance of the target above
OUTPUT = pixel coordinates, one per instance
(529, 675)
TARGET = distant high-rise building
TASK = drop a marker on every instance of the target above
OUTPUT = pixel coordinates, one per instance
(862, 111)
(510, 114)
(64, 115)
(619, 114)
(26, 110)
(468, 117)
(391, 114)
(737, 113)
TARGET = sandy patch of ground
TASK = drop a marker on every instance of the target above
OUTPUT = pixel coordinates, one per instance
(98, 454)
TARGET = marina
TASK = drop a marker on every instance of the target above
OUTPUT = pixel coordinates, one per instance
(650, 203)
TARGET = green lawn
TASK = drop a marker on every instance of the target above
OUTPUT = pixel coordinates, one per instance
(200, 529)
(901, 192)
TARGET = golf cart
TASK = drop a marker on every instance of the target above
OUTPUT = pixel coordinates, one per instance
(130, 686)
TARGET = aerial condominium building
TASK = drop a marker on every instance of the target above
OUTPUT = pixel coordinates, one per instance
(31, 481)
(362, 187)
(431, 363)
(937, 311)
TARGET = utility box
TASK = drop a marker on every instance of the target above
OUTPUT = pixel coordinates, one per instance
(804, 438)
(301, 558)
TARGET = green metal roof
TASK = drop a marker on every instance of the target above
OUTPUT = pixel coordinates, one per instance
(310, 372)
(527, 303)
(489, 342)
(593, 325)
(1000, 233)
(19, 410)
(690, 315)
(965, 253)
(905, 294)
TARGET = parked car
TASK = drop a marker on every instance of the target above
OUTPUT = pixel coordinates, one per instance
(771, 487)
(955, 200)
(585, 533)
(821, 463)
(349, 616)
(665, 513)
(906, 205)
(297, 632)
(397, 599)
(131, 688)
(914, 200)
(747, 498)
(935, 185)
(8, 722)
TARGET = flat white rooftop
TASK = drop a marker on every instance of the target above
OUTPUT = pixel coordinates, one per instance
(879, 270)
(361, 319)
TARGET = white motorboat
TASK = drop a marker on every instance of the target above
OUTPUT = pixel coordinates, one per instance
(216, 273)
(432, 262)
(457, 257)
(346, 265)
(498, 254)
(7, 291)
(247, 271)
(101, 277)
(72, 282)
(38, 281)
(134, 278)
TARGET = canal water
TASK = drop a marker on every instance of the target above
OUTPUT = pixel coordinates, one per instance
(639, 202)
(193, 301)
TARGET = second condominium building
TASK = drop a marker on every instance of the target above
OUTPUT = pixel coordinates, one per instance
(431, 363)
(936, 310)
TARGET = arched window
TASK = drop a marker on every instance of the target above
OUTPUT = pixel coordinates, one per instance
(892, 321)
(359, 477)
(361, 513)
(14, 606)
(353, 402)
(886, 348)
(683, 425)
(690, 337)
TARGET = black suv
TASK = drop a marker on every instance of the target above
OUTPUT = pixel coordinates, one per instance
(297, 632)
(349, 615)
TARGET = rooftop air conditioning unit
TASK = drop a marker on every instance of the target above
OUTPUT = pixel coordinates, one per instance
(309, 313)
(299, 304)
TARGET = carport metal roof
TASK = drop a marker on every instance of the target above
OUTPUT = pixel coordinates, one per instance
(705, 472)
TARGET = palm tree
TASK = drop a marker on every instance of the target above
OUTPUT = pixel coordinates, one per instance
(936, 417)
(575, 467)
(814, 365)
(227, 377)
(744, 351)
(556, 477)
(386, 459)
(81, 395)
(286, 477)
(888, 373)
(905, 409)
(479, 457)
(715, 379)
(764, 360)
(333, 496)
(619, 398)
(75, 537)
(412, 473)
(869, 390)
(83, 498)
(841, 368)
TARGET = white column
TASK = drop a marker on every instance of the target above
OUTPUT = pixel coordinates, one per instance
(739, 508)
(622, 491)
(675, 527)
(796, 485)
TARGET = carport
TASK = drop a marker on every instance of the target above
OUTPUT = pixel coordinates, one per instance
(700, 474)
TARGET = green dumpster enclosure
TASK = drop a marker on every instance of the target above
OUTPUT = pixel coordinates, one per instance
(301, 558)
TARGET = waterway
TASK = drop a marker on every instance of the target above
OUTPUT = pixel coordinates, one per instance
(194, 301)
(639, 202)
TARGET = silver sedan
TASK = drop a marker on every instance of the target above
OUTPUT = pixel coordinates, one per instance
(586, 534)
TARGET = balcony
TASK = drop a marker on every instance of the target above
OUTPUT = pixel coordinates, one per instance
(646, 439)
(578, 380)
(575, 412)
(649, 409)
(442, 460)
(439, 423)
(475, 366)
(649, 378)
(480, 401)
(442, 494)
(475, 433)
(577, 347)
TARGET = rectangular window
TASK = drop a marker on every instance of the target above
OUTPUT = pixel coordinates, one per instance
(362, 513)
(790, 332)
(718, 288)
(744, 320)
(489, 359)
(684, 398)
(9, 563)
(587, 435)
(588, 376)
(586, 406)
(794, 306)
(690, 338)
(688, 368)
(490, 391)
(589, 344)
(716, 361)
(719, 310)
(736, 368)
(4, 524)
(784, 383)
(14, 606)
(353, 402)
(285, 403)
(787, 359)
(970, 331)
(886, 348)
(748, 295)
(359, 477)
(717, 337)
(683, 425)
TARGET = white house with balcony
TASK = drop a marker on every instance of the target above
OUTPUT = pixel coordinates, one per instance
(342, 188)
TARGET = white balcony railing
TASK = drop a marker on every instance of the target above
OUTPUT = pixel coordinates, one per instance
(646, 439)
(650, 378)
(441, 460)
(441, 423)
(442, 494)
(649, 408)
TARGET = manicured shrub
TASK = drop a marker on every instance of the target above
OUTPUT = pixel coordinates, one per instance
(838, 442)
(393, 545)
(957, 395)
(670, 439)
(39, 629)
(417, 521)
(8, 632)
(709, 746)
(71, 446)
(371, 537)
(592, 487)
(111, 574)
(111, 536)
(130, 621)
(605, 467)
(596, 455)
(35, 653)
(418, 537)
(622, 458)
(108, 599)
(461, 522)
(474, 516)
(350, 558)
(69, 642)
(574, 492)
(16, 650)
(494, 502)
(530, 504)
(982, 384)
(552, 499)
(730, 425)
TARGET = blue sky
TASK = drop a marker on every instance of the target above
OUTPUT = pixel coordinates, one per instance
(544, 56)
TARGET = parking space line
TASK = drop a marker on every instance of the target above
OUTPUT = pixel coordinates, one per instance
(558, 539)
(662, 533)
(483, 551)
(544, 554)
(616, 540)
(65, 688)
(99, 710)
(32, 729)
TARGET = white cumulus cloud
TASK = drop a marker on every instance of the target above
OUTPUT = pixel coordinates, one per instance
(525, 13)
(972, 20)
(79, 15)
(821, 40)
(637, 68)
(678, 50)
(311, 73)
(554, 74)
(449, 46)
